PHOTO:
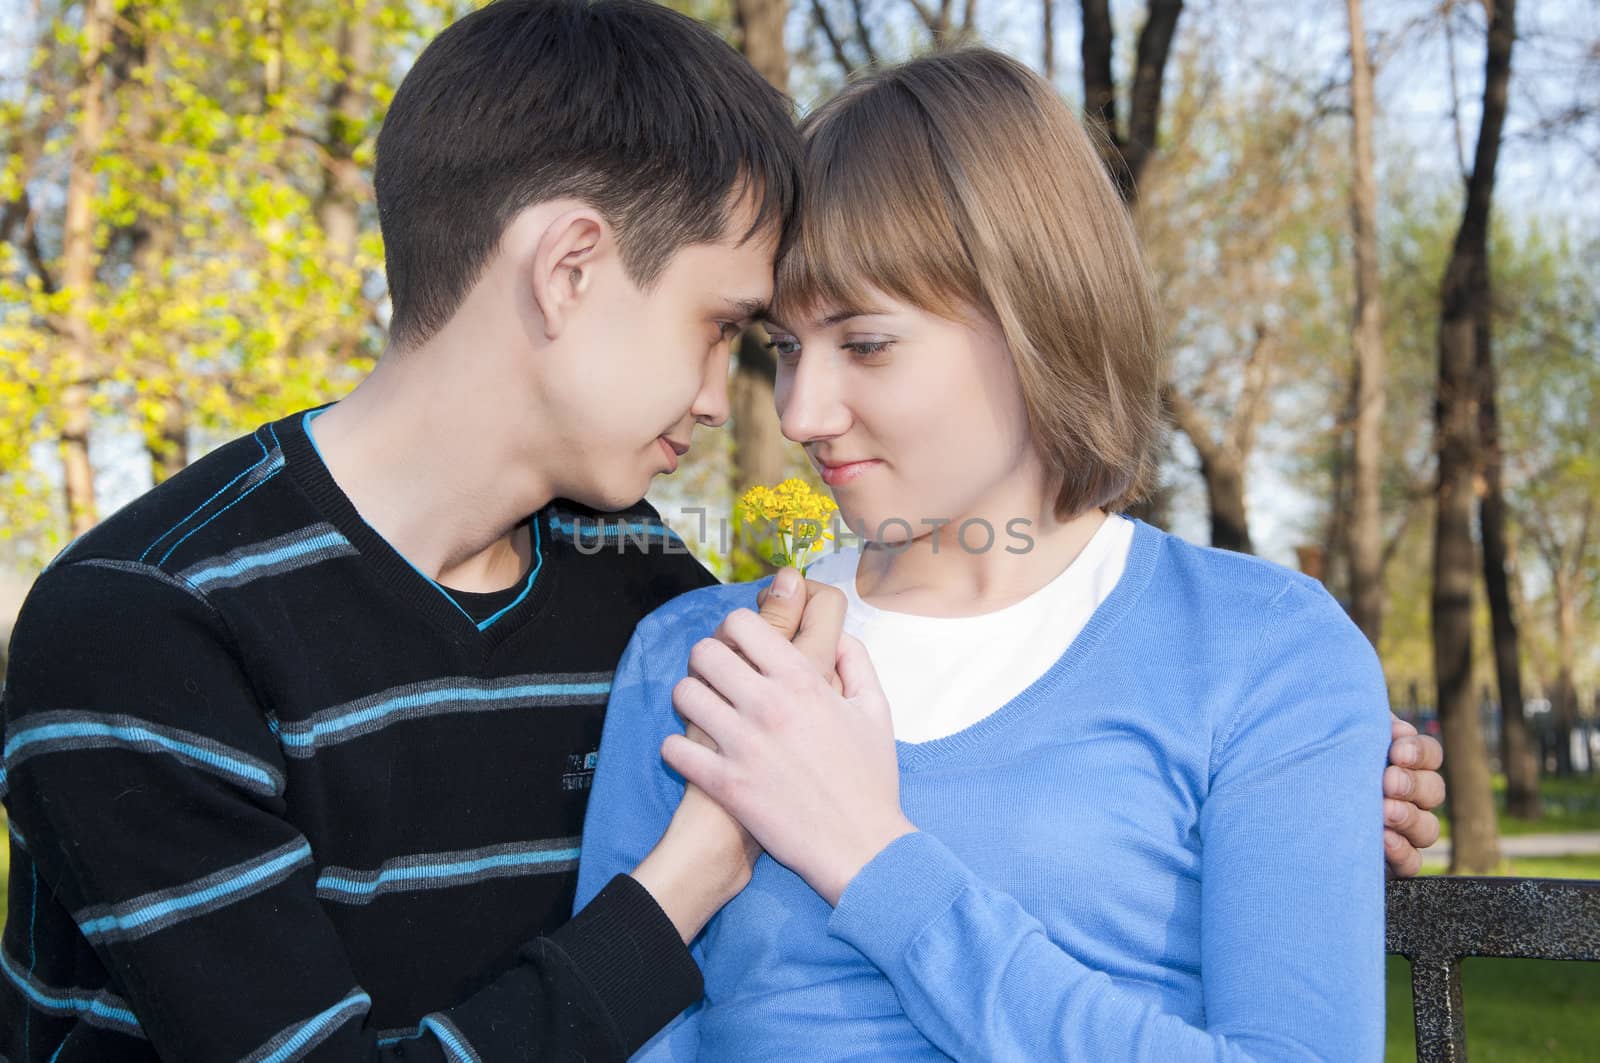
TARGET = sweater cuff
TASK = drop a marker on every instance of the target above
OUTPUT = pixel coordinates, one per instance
(626, 949)
(902, 890)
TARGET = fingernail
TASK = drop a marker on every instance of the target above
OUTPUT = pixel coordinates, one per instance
(1405, 752)
(784, 583)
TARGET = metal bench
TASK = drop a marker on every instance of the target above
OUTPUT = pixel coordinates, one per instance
(1436, 922)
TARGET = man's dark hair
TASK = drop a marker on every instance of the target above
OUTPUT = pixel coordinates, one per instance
(631, 107)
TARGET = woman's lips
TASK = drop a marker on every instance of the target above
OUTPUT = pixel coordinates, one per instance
(839, 475)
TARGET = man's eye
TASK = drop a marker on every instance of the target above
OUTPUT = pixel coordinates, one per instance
(727, 330)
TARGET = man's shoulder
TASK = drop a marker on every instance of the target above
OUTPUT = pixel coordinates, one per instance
(631, 550)
(168, 524)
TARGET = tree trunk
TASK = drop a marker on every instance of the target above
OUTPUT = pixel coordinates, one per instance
(1564, 705)
(169, 448)
(78, 269)
(761, 25)
(759, 448)
(1517, 756)
(342, 190)
(1475, 838)
(1230, 529)
(1125, 156)
(1366, 528)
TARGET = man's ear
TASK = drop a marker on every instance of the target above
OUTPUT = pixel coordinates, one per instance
(563, 265)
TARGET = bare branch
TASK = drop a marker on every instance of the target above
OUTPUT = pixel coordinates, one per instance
(863, 32)
(1191, 423)
(840, 56)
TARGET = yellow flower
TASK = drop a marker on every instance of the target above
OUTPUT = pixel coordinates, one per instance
(799, 514)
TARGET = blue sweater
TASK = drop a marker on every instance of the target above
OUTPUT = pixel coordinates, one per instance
(1169, 847)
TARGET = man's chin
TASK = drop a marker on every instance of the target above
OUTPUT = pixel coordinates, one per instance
(611, 497)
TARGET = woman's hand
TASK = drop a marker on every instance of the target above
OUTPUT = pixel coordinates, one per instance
(812, 773)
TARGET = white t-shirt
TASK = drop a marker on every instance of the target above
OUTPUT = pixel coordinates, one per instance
(944, 674)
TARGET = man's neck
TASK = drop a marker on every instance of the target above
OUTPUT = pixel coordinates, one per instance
(429, 461)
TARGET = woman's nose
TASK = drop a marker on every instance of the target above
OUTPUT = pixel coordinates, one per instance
(810, 405)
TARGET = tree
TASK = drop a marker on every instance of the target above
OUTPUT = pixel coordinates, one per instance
(1366, 528)
(1475, 841)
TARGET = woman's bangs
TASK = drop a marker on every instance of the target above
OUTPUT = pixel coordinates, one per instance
(874, 219)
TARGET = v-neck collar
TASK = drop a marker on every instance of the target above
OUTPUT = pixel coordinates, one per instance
(393, 568)
(1136, 576)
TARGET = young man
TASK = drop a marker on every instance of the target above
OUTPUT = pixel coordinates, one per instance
(297, 745)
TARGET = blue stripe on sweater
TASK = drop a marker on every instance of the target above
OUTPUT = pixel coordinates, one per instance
(439, 870)
(301, 738)
(281, 554)
(57, 732)
(456, 1048)
(297, 1040)
(96, 1007)
(266, 455)
(151, 912)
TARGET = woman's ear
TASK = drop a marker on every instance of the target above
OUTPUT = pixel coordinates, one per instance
(562, 265)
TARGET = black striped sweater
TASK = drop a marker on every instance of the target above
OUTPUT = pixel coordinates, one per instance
(276, 795)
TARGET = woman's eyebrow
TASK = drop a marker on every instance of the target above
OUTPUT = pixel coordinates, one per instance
(845, 315)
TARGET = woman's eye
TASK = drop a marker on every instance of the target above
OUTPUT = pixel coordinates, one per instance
(784, 347)
(867, 348)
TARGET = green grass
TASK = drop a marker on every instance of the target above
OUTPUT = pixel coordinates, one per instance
(1569, 805)
(1515, 1010)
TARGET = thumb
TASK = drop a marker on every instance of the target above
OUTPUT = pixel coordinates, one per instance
(783, 602)
(860, 678)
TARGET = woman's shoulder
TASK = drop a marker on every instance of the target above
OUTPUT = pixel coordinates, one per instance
(1226, 582)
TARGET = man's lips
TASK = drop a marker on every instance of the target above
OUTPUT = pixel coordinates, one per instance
(673, 451)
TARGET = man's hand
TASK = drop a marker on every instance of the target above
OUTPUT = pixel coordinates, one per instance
(810, 771)
(702, 861)
(1412, 788)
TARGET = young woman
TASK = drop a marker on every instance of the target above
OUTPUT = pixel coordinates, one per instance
(1093, 721)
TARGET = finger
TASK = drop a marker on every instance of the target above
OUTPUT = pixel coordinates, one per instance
(768, 652)
(1402, 859)
(1400, 728)
(820, 628)
(726, 669)
(1423, 830)
(698, 765)
(860, 679)
(1419, 828)
(705, 712)
(1416, 751)
(782, 602)
(1425, 789)
(693, 732)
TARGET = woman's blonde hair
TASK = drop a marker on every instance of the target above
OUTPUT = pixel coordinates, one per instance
(962, 181)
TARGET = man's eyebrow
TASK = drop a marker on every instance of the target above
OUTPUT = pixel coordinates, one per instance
(747, 309)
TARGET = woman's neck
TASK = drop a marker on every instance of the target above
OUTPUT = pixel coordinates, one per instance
(940, 575)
